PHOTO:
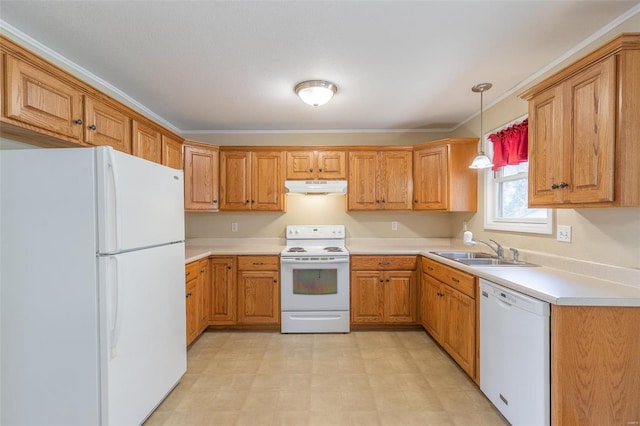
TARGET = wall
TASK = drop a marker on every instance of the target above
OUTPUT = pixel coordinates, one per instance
(605, 235)
(319, 210)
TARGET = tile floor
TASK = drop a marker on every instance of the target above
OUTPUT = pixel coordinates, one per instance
(362, 378)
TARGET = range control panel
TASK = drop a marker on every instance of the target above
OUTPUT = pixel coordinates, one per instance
(309, 232)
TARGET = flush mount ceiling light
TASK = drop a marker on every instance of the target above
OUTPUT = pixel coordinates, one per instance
(481, 161)
(316, 92)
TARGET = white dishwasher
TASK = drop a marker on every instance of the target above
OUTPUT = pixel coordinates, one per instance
(515, 354)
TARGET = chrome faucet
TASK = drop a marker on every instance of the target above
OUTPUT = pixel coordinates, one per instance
(498, 248)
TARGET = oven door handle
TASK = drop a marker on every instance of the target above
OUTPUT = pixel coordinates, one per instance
(314, 260)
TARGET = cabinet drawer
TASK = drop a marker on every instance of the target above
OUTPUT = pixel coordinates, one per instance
(258, 263)
(192, 270)
(383, 263)
(457, 279)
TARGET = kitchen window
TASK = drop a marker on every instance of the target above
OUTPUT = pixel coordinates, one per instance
(506, 197)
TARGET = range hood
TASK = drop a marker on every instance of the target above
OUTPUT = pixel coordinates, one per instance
(316, 186)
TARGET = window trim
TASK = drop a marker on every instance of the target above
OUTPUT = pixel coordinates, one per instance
(491, 222)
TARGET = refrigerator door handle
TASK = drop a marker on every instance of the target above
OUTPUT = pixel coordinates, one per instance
(115, 317)
(113, 210)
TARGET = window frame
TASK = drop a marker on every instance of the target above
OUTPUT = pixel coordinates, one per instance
(491, 193)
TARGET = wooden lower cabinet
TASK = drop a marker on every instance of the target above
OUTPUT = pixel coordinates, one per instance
(383, 289)
(258, 290)
(222, 309)
(448, 312)
(595, 365)
(204, 294)
(192, 295)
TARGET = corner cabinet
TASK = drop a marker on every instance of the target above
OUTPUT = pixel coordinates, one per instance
(200, 177)
(584, 129)
(442, 179)
(317, 164)
(380, 180)
(252, 180)
(383, 289)
(448, 312)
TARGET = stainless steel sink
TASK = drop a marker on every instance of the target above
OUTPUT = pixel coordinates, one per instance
(455, 255)
(494, 261)
(474, 258)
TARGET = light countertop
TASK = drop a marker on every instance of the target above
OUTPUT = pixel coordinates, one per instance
(550, 284)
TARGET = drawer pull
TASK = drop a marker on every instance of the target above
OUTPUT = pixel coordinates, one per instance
(383, 263)
(430, 268)
(455, 280)
(188, 273)
(258, 263)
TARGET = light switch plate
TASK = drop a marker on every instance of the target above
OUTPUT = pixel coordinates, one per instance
(394, 225)
(234, 227)
(564, 233)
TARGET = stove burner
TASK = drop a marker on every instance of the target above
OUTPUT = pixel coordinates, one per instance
(333, 249)
(296, 250)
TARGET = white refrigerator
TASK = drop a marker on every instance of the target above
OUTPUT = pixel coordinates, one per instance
(92, 286)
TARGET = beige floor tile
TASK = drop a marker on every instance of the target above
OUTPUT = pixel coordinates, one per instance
(360, 378)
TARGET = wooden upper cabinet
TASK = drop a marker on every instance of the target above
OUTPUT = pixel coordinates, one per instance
(380, 180)
(36, 98)
(442, 179)
(171, 152)
(106, 125)
(252, 180)
(316, 165)
(200, 178)
(584, 128)
(147, 142)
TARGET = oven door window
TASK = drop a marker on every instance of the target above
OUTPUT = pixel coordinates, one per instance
(315, 281)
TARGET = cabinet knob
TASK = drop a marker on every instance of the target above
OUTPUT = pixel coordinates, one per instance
(378, 201)
(320, 170)
(383, 200)
(415, 201)
(79, 121)
(311, 170)
(275, 281)
(246, 202)
(229, 267)
(387, 279)
(555, 186)
(252, 201)
(92, 127)
(215, 201)
(381, 280)
(563, 184)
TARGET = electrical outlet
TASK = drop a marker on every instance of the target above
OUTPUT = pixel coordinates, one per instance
(234, 227)
(394, 225)
(564, 233)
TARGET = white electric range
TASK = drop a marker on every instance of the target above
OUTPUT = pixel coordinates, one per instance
(314, 283)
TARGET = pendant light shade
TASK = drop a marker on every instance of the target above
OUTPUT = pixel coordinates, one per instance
(481, 161)
(316, 92)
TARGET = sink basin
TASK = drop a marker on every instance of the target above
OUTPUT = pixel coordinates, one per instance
(474, 258)
(494, 261)
(456, 255)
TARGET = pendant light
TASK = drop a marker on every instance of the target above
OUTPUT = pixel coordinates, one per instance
(481, 161)
(316, 92)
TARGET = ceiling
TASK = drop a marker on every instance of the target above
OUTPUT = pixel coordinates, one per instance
(212, 66)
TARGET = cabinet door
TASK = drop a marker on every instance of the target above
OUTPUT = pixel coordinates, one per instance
(301, 165)
(332, 164)
(235, 180)
(399, 297)
(366, 296)
(105, 125)
(430, 183)
(200, 178)
(38, 99)
(204, 294)
(432, 306)
(590, 134)
(267, 181)
(546, 154)
(363, 181)
(459, 329)
(147, 142)
(192, 309)
(396, 180)
(258, 297)
(223, 291)
(171, 152)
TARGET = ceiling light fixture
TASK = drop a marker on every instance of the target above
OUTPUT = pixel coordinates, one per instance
(481, 161)
(316, 92)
